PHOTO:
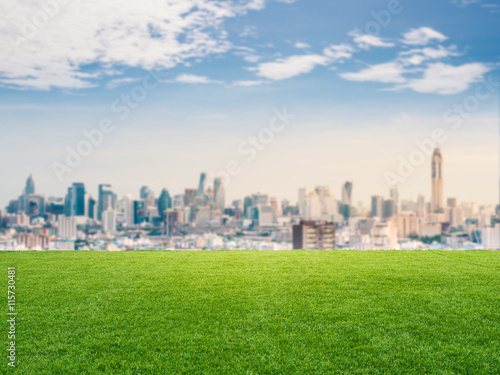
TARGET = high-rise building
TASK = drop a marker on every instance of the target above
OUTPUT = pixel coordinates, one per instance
(66, 227)
(219, 194)
(201, 185)
(77, 199)
(452, 202)
(302, 199)
(408, 225)
(30, 186)
(107, 199)
(312, 236)
(164, 202)
(172, 218)
(128, 210)
(437, 201)
(394, 194)
(189, 196)
(377, 206)
(109, 220)
(34, 205)
(145, 192)
(91, 210)
(388, 208)
(347, 193)
(260, 199)
(140, 212)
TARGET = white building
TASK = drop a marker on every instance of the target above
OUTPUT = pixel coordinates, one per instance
(109, 220)
(491, 237)
(66, 227)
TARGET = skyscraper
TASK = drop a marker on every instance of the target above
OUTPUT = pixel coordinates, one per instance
(219, 194)
(128, 210)
(30, 186)
(75, 201)
(145, 192)
(107, 199)
(437, 200)
(164, 203)
(377, 206)
(347, 193)
(201, 185)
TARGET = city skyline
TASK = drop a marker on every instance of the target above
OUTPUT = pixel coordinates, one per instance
(201, 217)
(174, 114)
(107, 197)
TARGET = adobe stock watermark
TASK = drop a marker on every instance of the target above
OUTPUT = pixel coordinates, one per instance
(11, 315)
(249, 148)
(383, 17)
(122, 108)
(30, 26)
(454, 117)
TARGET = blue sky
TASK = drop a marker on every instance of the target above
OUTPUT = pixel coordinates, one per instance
(364, 87)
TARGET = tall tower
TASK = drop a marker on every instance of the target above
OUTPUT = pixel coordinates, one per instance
(347, 193)
(201, 185)
(30, 186)
(437, 202)
(219, 194)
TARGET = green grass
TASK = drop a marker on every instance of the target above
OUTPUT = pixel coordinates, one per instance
(250, 312)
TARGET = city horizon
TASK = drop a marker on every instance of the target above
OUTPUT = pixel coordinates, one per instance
(184, 89)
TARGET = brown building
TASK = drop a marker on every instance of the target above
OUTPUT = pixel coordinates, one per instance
(31, 241)
(314, 236)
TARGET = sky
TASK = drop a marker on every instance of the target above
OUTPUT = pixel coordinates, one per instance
(270, 95)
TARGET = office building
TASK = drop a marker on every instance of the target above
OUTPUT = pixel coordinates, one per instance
(377, 206)
(313, 236)
(66, 227)
(437, 200)
(219, 194)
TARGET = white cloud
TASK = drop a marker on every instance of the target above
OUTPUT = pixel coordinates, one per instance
(192, 78)
(422, 36)
(447, 79)
(365, 41)
(248, 83)
(418, 56)
(301, 45)
(391, 72)
(338, 52)
(249, 31)
(290, 66)
(299, 64)
(114, 83)
(73, 44)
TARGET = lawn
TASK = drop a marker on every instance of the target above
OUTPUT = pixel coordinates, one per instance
(251, 312)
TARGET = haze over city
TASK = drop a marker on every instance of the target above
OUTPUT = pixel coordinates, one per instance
(365, 82)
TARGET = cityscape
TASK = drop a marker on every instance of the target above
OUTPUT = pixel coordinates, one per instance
(201, 219)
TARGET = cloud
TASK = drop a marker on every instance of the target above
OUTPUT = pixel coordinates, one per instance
(422, 36)
(249, 31)
(299, 64)
(419, 55)
(391, 72)
(338, 52)
(301, 45)
(73, 45)
(114, 83)
(447, 79)
(290, 66)
(366, 41)
(248, 83)
(192, 78)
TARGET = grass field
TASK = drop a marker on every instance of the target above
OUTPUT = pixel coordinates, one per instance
(250, 312)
